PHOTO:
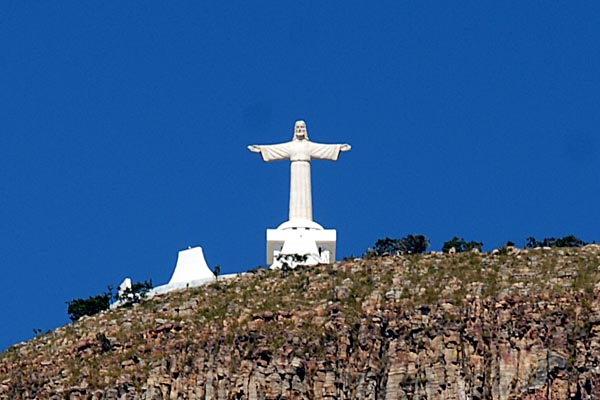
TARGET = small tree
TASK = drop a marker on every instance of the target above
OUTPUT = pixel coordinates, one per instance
(531, 243)
(217, 271)
(415, 244)
(461, 245)
(77, 308)
(567, 241)
(570, 241)
(383, 246)
(411, 244)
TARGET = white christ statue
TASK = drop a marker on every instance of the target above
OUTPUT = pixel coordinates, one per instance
(300, 151)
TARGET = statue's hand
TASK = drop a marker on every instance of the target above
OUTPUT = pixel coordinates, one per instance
(345, 147)
(254, 148)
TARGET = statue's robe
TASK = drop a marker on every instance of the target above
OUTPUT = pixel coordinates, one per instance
(300, 153)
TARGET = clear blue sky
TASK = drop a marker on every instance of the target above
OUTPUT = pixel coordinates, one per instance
(124, 126)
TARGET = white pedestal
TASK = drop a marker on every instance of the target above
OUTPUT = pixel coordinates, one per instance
(191, 266)
(300, 242)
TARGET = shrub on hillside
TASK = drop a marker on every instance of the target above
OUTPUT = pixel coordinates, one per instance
(567, 241)
(461, 245)
(411, 244)
(77, 308)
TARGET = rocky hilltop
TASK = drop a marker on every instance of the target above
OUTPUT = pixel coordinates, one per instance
(523, 324)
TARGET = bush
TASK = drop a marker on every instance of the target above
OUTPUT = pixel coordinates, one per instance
(77, 308)
(135, 294)
(461, 245)
(567, 241)
(411, 244)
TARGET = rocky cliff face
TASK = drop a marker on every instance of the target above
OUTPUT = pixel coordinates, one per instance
(469, 326)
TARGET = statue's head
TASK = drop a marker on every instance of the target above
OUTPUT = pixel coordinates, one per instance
(300, 132)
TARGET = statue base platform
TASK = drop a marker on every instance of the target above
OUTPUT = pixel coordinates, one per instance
(300, 242)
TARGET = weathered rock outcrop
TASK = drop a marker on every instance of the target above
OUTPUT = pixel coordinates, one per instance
(466, 326)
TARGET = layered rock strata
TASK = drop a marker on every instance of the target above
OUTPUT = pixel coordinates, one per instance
(468, 326)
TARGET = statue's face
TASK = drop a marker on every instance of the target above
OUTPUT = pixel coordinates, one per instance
(300, 130)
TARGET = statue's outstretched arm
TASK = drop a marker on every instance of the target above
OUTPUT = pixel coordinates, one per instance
(271, 152)
(320, 151)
